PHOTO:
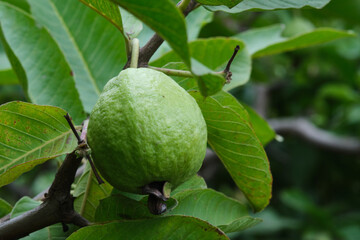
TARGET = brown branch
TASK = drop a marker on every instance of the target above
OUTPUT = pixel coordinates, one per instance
(57, 207)
(303, 128)
(148, 50)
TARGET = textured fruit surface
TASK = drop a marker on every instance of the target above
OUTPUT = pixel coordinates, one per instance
(145, 128)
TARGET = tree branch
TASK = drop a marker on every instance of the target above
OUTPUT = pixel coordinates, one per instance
(148, 50)
(57, 207)
(303, 128)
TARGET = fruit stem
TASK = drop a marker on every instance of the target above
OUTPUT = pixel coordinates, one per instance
(173, 72)
(183, 4)
(135, 48)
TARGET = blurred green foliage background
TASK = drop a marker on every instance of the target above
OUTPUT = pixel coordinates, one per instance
(316, 192)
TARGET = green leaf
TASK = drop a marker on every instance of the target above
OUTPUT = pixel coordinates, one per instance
(262, 129)
(19, 3)
(196, 182)
(187, 83)
(8, 77)
(194, 22)
(259, 38)
(170, 228)
(214, 53)
(30, 135)
(228, 3)
(5, 208)
(267, 41)
(120, 207)
(132, 26)
(232, 137)
(88, 193)
(38, 62)
(209, 82)
(259, 5)
(93, 47)
(52, 232)
(23, 205)
(215, 208)
(165, 19)
(107, 9)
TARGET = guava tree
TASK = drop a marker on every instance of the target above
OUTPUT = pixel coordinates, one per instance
(63, 52)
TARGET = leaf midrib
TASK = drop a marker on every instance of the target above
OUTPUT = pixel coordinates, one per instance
(86, 67)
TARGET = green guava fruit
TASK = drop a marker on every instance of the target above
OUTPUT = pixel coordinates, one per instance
(146, 129)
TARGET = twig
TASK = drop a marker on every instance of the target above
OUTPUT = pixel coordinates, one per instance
(174, 72)
(57, 206)
(148, 50)
(305, 129)
(228, 73)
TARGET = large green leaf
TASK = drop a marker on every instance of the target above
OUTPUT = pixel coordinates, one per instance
(165, 19)
(51, 232)
(30, 135)
(19, 3)
(259, 5)
(194, 22)
(107, 9)
(228, 3)
(232, 137)
(169, 228)
(215, 208)
(121, 205)
(214, 53)
(93, 47)
(38, 62)
(269, 40)
(88, 193)
(259, 38)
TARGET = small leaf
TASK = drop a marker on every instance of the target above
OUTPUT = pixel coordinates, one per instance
(30, 135)
(274, 43)
(196, 182)
(5, 208)
(88, 193)
(47, 80)
(214, 53)
(259, 5)
(87, 41)
(262, 129)
(107, 9)
(51, 232)
(228, 3)
(231, 136)
(165, 19)
(170, 228)
(23, 205)
(132, 26)
(213, 207)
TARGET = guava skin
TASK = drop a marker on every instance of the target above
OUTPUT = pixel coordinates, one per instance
(145, 128)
